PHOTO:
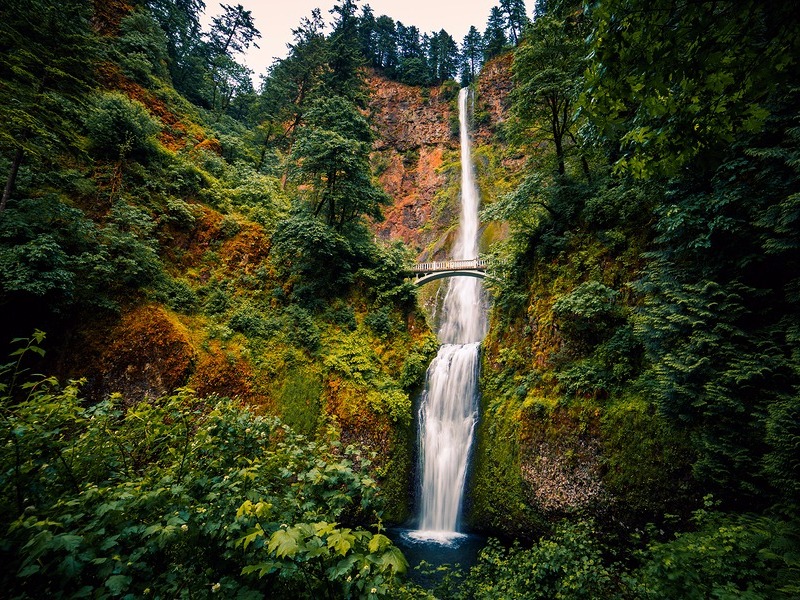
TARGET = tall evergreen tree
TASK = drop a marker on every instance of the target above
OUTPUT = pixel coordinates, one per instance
(366, 33)
(180, 20)
(471, 53)
(385, 44)
(345, 59)
(515, 18)
(231, 33)
(443, 57)
(47, 50)
(494, 37)
(548, 69)
(332, 160)
(293, 82)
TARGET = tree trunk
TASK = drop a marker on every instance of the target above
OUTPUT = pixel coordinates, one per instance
(12, 177)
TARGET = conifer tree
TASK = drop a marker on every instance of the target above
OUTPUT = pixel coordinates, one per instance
(47, 50)
(515, 18)
(548, 70)
(471, 53)
(180, 21)
(385, 44)
(332, 159)
(344, 77)
(494, 37)
(366, 33)
(231, 33)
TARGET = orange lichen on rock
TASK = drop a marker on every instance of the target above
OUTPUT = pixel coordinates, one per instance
(494, 88)
(224, 373)
(175, 133)
(247, 250)
(358, 424)
(413, 187)
(210, 144)
(147, 353)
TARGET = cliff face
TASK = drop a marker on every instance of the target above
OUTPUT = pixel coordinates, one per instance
(493, 90)
(414, 136)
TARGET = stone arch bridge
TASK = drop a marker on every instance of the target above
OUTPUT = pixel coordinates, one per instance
(425, 272)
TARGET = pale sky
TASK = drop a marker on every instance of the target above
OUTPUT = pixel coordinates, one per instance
(275, 19)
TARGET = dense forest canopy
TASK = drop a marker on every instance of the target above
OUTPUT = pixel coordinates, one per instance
(159, 208)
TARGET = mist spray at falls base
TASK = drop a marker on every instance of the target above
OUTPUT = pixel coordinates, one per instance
(449, 406)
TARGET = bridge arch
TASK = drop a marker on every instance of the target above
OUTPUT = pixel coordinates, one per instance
(431, 271)
(442, 274)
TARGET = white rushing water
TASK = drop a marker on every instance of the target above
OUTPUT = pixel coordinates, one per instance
(448, 411)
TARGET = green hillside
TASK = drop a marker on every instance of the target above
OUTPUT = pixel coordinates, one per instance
(214, 350)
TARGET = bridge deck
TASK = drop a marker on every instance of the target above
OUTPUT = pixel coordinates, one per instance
(475, 264)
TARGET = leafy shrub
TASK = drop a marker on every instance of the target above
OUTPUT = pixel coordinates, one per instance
(380, 321)
(585, 378)
(141, 47)
(171, 498)
(217, 298)
(567, 566)
(119, 127)
(586, 314)
(229, 227)
(131, 245)
(302, 329)
(318, 261)
(729, 556)
(53, 252)
(250, 322)
(343, 315)
(416, 364)
(180, 214)
(177, 295)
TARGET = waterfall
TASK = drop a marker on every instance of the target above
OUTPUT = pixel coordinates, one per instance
(448, 410)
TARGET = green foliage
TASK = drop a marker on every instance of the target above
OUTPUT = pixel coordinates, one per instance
(647, 461)
(53, 252)
(331, 157)
(416, 364)
(726, 557)
(317, 259)
(171, 497)
(302, 329)
(141, 47)
(548, 70)
(568, 565)
(119, 128)
(300, 401)
(666, 101)
(357, 364)
(176, 294)
(250, 322)
(587, 312)
(380, 321)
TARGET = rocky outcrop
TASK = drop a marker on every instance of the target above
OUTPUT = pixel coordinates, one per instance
(493, 90)
(414, 132)
(408, 117)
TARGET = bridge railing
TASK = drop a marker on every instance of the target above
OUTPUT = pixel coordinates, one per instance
(477, 264)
